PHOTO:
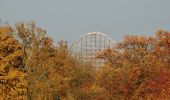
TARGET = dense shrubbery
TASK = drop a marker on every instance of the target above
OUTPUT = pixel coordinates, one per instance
(32, 67)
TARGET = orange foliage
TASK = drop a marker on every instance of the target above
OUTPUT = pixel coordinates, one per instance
(12, 77)
(32, 67)
(143, 71)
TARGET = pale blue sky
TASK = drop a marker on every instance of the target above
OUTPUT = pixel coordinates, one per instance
(69, 19)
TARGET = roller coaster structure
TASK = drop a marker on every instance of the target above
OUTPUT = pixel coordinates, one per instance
(86, 47)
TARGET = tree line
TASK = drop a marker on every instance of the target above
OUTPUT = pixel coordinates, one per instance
(32, 67)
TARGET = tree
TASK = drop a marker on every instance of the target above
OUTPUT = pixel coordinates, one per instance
(52, 71)
(12, 76)
(137, 68)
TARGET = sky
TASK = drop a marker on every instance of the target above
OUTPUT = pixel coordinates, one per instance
(70, 19)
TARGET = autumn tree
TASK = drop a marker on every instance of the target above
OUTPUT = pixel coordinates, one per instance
(138, 68)
(13, 84)
(52, 71)
(37, 52)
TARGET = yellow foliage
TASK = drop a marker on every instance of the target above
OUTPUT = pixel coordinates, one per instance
(31, 67)
(12, 79)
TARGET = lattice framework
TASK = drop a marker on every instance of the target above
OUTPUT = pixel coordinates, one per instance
(86, 47)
